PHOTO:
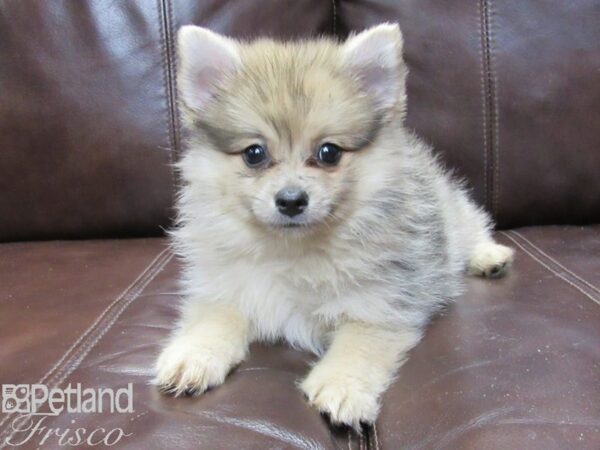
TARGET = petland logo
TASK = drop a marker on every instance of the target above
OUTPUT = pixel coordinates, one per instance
(34, 403)
(29, 399)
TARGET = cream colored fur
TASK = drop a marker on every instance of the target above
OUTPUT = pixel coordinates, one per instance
(382, 245)
(208, 343)
(348, 381)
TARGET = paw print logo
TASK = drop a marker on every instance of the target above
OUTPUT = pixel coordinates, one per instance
(15, 398)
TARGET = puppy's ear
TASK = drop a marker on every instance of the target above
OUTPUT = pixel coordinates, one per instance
(374, 57)
(206, 59)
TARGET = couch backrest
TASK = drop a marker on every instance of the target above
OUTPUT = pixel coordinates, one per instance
(508, 92)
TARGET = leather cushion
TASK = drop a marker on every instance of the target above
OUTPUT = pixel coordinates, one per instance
(512, 364)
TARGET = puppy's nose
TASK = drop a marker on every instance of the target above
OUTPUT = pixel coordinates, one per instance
(291, 201)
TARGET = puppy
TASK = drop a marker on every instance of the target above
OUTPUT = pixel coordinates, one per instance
(309, 213)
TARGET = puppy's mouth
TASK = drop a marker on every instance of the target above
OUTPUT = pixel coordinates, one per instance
(298, 224)
(291, 225)
(301, 223)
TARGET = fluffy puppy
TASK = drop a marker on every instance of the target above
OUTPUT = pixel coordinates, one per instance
(310, 214)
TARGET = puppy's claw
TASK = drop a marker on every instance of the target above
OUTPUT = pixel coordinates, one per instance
(490, 260)
(189, 370)
(344, 399)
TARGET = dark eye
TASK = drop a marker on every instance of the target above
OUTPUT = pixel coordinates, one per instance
(329, 154)
(255, 155)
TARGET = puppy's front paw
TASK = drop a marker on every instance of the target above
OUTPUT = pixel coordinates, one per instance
(344, 397)
(490, 260)
(188, 367)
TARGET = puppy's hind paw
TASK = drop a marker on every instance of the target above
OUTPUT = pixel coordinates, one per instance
(490, 260)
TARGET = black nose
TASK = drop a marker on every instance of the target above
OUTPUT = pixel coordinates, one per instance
(291, 201)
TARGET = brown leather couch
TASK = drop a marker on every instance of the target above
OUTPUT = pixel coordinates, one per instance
(507, 91)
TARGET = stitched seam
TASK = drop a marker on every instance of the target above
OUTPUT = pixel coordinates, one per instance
(483, 101)
(376, 437)
(109, 325)
(495, 102)
(73, 347)
(73, 361)
(556, 273)
(76, 359)
(369, 437)
(556, 267)
(172, 72)
(166, 84)
(539, 250)
(488, 104)
(85, 349)
(334, 24)
(574, 279)
(104, 313)
(491, 111)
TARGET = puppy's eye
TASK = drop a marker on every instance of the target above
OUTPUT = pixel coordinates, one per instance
(328, 154)
(255, 155)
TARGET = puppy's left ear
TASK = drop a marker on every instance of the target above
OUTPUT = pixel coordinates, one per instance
(206, 60)
(374, 58)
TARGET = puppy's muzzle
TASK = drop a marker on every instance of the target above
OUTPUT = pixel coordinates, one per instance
(291, 201)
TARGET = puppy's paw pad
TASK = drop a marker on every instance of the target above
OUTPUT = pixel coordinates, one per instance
(490, 260)
(346, 400)
(184, 369)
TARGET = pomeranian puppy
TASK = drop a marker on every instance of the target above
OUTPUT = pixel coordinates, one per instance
(309, 213)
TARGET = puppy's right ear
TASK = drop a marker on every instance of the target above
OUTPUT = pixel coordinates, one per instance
(206, 60)
(374, 58)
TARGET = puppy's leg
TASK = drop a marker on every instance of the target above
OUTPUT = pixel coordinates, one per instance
(490, 259)
(472, 231)
(211, 340)
(357, 368)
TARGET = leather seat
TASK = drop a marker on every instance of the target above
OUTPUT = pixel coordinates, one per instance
(506, 91)
(514, 363)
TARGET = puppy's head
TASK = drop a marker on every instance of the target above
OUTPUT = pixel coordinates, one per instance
(284, 135)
